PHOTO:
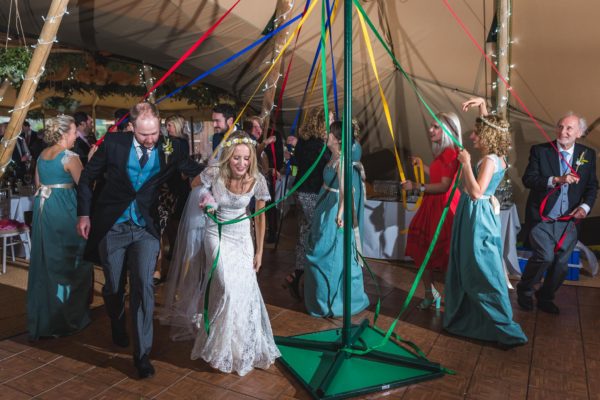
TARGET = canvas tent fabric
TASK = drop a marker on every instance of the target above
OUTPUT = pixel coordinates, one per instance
(556, 67)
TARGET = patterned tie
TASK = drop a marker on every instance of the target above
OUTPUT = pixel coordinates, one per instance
(144, 157)
(564, 167)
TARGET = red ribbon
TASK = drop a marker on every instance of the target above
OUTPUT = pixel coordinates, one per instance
(280, 102)
(508, 87)
(176, 65)
(564, 218)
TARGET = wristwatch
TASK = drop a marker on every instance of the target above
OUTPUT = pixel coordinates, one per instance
(422, 188)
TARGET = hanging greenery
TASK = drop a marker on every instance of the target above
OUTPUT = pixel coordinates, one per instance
(14, 62)
(69, 73)
(61, 104)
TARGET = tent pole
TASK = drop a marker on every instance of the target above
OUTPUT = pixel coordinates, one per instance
(282, 13)
(34, 72)
(504, 19)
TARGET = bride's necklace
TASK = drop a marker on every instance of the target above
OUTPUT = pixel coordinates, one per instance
(239, 188)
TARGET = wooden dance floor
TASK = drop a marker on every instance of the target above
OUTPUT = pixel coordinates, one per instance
(562, 359)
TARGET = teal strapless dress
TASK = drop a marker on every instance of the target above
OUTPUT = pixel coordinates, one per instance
(59, 280)
(476, 294)
(323, 283)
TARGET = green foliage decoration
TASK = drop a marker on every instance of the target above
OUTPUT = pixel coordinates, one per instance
(14, 62)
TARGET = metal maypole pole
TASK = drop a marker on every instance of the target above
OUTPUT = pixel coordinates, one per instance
(347, 168)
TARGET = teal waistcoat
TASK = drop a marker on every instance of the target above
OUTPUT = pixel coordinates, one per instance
(138, 177)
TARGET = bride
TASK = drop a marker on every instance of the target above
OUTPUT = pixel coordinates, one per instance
(230, 324)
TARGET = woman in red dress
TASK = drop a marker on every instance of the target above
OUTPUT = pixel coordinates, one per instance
(442, 173)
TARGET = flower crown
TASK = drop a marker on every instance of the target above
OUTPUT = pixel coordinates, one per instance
(492, 125)
(245, 140)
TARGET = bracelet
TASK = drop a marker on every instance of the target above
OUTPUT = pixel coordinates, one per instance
(422, 188)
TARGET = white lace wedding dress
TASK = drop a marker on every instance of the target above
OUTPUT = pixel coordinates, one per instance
(240, 337)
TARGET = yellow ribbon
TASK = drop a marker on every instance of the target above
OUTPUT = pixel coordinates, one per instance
(388, 117)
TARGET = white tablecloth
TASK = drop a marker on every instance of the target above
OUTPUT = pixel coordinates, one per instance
(18, 206)
(384, 221)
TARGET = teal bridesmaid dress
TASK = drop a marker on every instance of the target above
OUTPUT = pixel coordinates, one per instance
(59, 281)
(476, 295)
(323, 283)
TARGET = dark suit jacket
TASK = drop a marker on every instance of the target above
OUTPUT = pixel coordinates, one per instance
(118, 192)
(544, 163)
(82, 149)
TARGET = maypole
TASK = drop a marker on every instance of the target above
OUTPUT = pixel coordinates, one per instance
(58, 8)
(356, 359)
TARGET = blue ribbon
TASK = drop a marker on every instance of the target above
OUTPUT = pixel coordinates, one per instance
(233, 57)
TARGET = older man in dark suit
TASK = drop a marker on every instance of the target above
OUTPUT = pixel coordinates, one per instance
(124, 222)
(569, 195)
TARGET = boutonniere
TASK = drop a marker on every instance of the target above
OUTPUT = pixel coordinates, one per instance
(580, 161)
(167, 148)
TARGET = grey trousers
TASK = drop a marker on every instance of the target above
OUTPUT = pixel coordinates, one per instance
(127, 246)
(543, 238)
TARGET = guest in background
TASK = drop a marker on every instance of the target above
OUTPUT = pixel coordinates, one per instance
(305, 151)
(269, 152)
(59, 279)
(223, 116)
(476, 301)
(173, 196)
(442, 173)
(84, 125)
(323, 283)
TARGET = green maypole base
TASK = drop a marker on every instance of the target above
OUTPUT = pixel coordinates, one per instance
(318, 361)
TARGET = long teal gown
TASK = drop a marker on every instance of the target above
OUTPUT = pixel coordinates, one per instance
(59, 280)
(323, 283)
(477, 303)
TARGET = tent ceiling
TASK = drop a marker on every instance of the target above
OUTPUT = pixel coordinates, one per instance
(555, 57)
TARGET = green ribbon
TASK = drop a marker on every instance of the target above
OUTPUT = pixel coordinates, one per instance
(408, 78)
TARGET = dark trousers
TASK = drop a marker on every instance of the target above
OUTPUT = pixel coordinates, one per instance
(133, 245)
(543, 238)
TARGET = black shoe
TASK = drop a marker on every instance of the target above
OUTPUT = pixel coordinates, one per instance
(508, 346)
(119, 334)
(547, 306)
(524, 301)
(144, 367)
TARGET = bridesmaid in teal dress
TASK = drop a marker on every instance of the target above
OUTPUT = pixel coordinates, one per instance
(477, 303)
(59, 280)
(323, 282)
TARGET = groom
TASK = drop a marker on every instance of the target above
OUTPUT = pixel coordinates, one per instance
(122, 229)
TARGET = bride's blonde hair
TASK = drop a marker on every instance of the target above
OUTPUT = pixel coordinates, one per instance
(236, 139)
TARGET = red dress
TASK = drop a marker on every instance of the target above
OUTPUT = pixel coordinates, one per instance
(423, 225)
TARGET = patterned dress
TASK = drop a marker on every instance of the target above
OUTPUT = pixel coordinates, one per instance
(240, 337)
